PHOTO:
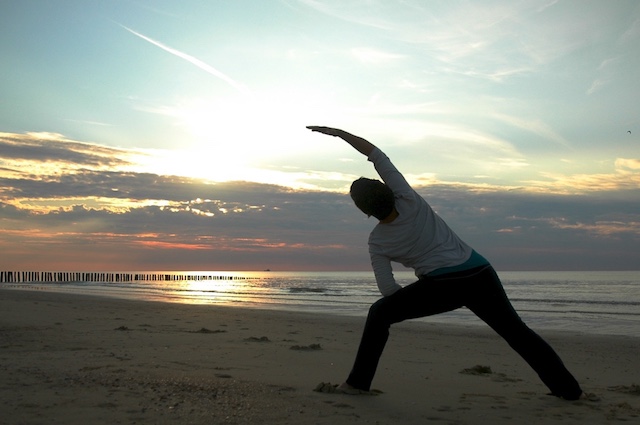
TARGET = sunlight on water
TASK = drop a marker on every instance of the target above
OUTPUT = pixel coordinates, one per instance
(594, 302)
(208, 287)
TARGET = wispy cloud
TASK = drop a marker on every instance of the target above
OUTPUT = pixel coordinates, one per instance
(496, 40)
(547, 5)
(195, 61)
(632, 32)
(605, 72)
(534, 125)
(352, 12)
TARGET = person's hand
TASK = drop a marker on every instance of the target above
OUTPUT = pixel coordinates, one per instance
(326, 130)
(360, 144)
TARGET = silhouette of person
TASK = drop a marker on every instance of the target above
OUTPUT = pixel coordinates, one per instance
(450, 275)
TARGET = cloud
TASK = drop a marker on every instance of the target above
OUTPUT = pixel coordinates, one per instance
(632, 32)
(351, 12)
(596, 85)
(55, 148)
(535, 126)
(625, 165)
(625, 176)
(606, 74)
(495, 41)
(97, 218)
(601, 228)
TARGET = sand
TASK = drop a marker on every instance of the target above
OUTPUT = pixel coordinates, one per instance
(75, 359)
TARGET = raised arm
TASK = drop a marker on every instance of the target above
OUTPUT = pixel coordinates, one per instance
(361, 145)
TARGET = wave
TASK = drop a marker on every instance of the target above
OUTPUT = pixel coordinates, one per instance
(569, 301)
(308, 290)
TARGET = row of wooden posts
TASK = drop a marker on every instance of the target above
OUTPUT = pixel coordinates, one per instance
(60, 277)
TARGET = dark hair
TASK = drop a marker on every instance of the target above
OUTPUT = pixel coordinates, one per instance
(373, 197)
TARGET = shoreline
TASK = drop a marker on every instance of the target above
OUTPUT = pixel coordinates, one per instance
(93, 359)
(540, 322)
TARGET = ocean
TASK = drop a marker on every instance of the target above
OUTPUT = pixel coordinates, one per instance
(582, 302)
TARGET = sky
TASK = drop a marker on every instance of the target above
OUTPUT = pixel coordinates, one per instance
(164, 135)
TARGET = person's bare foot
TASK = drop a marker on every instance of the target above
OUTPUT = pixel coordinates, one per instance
(345, 386)
(589, 397)
(350, 389)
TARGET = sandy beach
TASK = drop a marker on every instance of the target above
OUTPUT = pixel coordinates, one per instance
(72, 359)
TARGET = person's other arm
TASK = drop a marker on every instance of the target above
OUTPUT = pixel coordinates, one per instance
(383, 273)
(361, 145)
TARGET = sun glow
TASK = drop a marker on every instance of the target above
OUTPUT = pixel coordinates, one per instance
(238, 138)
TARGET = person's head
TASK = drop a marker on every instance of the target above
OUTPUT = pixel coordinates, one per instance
(372, 197)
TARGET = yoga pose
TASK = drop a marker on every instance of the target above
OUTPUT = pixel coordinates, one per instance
(450, 275)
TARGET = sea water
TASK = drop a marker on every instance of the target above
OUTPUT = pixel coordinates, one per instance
(583, 302)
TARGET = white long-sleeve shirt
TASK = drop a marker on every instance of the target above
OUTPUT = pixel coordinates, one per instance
(418, 238)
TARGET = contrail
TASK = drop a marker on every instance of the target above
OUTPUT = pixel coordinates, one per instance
(195, 61)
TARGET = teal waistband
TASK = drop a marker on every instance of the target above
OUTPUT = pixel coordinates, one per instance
(476, 260)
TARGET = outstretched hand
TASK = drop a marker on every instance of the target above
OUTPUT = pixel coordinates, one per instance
(326, 130)
(360, 144)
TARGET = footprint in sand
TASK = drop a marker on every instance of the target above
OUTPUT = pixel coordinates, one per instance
(208, 331)
(632, 389)
(340, 405)
(479, 370)
(312, 347)
(327, 387)
(256, 339)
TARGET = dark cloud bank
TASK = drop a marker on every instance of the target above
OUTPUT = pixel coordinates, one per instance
(194, 225)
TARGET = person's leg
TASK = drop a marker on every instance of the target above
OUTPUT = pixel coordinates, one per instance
(422, 298)
(488, 301)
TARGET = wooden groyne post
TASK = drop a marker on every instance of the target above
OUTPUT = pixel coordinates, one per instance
(62, 277)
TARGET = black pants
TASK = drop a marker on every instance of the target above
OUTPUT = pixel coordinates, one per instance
(481, 291)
